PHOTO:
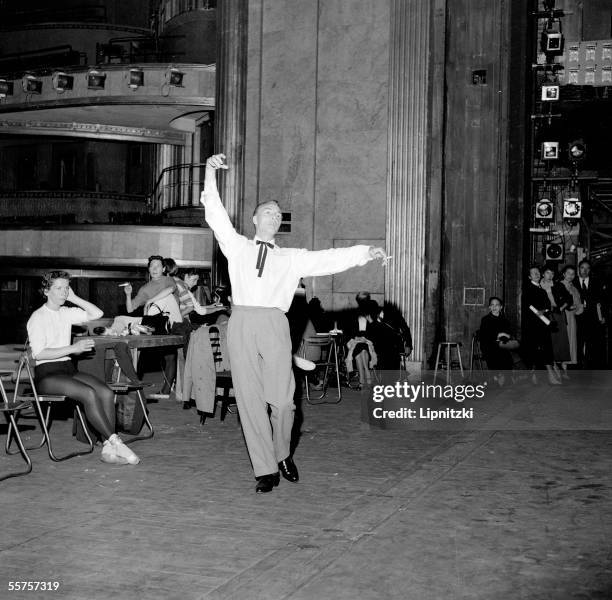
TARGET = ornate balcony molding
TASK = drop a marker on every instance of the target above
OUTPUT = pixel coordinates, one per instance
(106, 132)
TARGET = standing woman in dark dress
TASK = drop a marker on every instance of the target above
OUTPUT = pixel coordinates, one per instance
(560, 301)
(495, 331)
(537, 343)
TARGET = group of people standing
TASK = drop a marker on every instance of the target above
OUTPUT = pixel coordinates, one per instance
(563, 324)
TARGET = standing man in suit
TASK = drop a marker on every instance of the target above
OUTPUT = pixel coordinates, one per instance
(264, 277)
(590, 324)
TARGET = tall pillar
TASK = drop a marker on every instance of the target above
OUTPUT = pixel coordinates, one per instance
(407, 163)
(230, 110)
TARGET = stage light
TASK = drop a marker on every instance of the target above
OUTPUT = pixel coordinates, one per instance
(550, 150)
(6, 88)
(174, 77)
(553, 251)
(552, 39)
(550, 93)
(62, 81)
(96, 79)
(136, 78)
(544, 211)
(572, 210)
(31, 84)
(577, 151)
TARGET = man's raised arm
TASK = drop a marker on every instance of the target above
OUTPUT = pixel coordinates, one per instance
(216, 216)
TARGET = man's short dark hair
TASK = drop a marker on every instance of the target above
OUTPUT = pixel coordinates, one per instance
(260, 204)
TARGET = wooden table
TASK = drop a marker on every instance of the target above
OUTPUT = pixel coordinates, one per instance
(138, 342)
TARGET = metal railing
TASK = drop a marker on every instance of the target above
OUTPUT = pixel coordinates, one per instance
(38, 207)
(177, 186)
(169, 9)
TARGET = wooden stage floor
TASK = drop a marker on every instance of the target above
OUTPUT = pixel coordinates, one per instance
(515, 512)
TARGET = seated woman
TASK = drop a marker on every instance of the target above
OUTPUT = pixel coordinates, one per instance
(158, 293)
(360, 352)
(390, 334)
(49, 331)
(495, 334)
(188, 304)
(221, 300)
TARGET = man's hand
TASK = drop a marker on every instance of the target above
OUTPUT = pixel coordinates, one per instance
(216, 161)
(376, 252)
(127, 289)
(213, 163)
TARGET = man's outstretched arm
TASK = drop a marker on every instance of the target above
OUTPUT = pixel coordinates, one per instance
(335, 260)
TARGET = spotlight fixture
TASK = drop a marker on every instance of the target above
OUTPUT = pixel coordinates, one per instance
(550, 150)
(577, 151)
(552, 38)
(62, 81)
(550, 93)
(31, 84)
(553, 251)
(136, 78)
(95, 79)
(6, 88)
(174, 77)
(572, 210)
(544, 211)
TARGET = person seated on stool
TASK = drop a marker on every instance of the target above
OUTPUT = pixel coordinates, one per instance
(264, 277)
(495, 336)
(49, 331)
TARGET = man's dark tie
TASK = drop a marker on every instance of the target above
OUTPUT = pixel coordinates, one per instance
(261, 256)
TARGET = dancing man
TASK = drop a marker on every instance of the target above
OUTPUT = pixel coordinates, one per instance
(264, 278)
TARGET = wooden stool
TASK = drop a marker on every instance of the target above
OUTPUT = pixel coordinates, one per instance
(446, 347)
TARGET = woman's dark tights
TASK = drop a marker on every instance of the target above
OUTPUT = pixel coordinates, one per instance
(94, 396)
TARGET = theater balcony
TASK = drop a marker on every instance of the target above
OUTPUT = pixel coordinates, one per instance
(98, 165)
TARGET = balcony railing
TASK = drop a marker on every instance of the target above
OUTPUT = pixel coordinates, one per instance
(178, 186)
(15, 64)
(62, 207)
(169, 9)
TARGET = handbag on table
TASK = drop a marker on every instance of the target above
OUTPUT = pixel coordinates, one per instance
(159, 321)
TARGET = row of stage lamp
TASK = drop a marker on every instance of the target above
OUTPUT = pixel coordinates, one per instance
(96, 80)
(576, 152)
(545, 212)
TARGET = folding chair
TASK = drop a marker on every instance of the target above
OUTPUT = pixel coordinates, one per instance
(11, 412)
(223, 376)
(24, 376)
(327, 344)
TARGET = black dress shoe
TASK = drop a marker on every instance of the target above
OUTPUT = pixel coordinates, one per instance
(266, 483)
(289, 470)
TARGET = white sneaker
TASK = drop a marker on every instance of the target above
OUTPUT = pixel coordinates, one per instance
(303, 363)
(122, 451)
(159, 396)
(110, 456)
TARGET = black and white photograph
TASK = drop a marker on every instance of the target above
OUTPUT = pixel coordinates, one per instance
(305, 299)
